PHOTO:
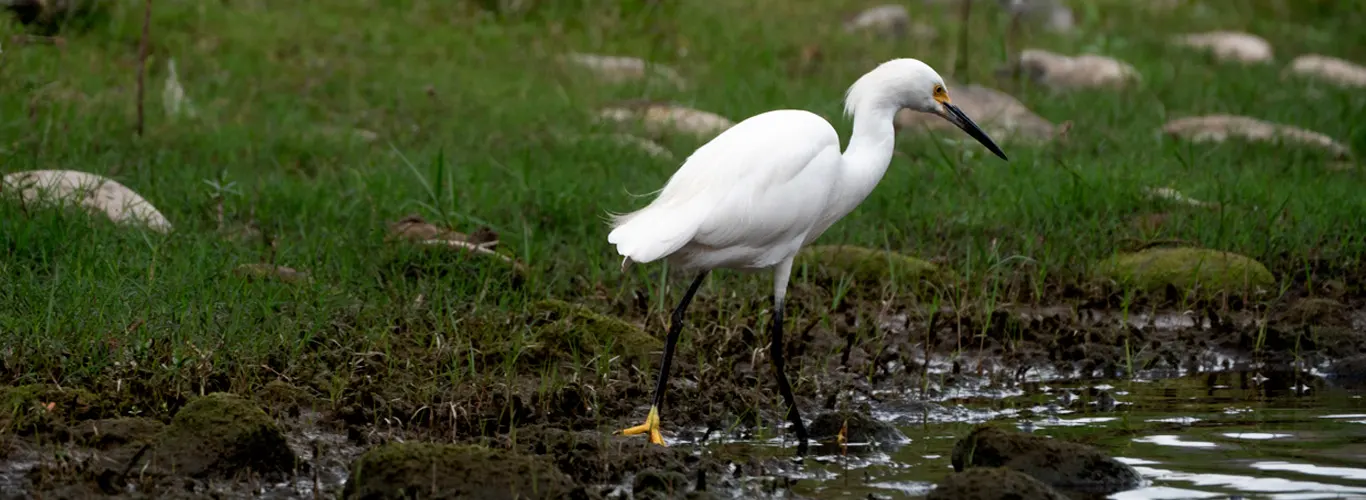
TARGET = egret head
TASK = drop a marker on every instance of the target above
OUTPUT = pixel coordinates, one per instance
(910, 83)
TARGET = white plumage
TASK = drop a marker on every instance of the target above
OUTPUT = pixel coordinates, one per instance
(755, 194)
(749, 220)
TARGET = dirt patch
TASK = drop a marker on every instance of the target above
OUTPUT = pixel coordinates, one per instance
(429, 470)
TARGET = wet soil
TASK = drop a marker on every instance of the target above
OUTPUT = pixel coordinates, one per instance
(309, 420)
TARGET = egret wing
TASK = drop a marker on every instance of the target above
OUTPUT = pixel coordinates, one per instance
(760, 183)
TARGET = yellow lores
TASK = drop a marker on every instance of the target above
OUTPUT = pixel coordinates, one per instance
(941, 96)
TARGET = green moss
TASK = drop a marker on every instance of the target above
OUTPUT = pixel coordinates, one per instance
(38, 408)
(222, 433)
(1187, 269)
(868, 265)
(430, 470)
(561, 329)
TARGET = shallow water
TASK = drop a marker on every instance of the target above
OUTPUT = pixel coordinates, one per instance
(1239, 434)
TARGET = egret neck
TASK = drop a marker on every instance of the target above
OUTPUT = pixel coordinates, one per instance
(868, 154)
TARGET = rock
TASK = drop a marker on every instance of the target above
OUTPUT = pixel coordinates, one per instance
(1218, 128)
(92, 192)
(1003, 117)
(39, 408)
(867, 265)
(1166, 193)
(1059, 464)
(992, 483)
(440, 471)
(259, 271)
(641, 144)
(660, 118)
(413, 227)
(862, 428)
(1332, 69)
(220, 435)
(1187, 269)
(620, 69)
(1075, 72)
(1054, 15)
(561, 330)
(109, 433)
(890, 21)
(1229, 45)
(442, 241)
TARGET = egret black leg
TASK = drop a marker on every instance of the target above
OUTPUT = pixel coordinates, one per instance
(651, 424)
(779, 367)
(675, 328)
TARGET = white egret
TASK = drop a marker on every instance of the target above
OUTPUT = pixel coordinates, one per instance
(755, 194)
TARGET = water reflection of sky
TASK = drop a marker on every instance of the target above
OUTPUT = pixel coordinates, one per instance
(1249, 444)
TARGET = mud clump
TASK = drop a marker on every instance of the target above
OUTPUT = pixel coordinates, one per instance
(1187, 269)
(115, 432)
(430, 470)
(867, 266)
(591, 457)
(992, 483)
(561, 329)
(861, 428)
(41, 408)
(222, 434)
(656, 484)
(1349, 372)
(1315, 311)
(1060, 464)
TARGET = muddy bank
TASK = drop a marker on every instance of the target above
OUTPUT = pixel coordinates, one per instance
(547, 397)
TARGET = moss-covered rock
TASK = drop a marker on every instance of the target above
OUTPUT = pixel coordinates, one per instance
(222, 434)
(561, 329)
(1060, 464)
(1187, 269)
(866, 265)
(992, 483)
(435, 471)
(861, 428)
(40, 408)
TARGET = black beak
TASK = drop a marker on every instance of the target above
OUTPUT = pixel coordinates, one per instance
(956, 116)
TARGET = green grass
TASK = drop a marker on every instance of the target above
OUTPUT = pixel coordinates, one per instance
(467, 108)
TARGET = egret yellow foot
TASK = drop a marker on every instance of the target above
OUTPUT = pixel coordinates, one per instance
(651, 426)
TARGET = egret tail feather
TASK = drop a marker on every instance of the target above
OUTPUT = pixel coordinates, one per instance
(653, 233)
